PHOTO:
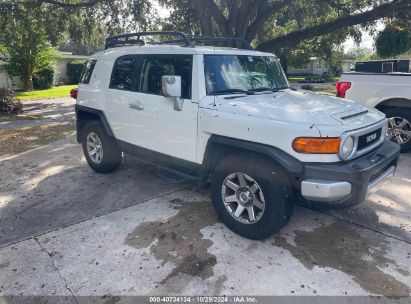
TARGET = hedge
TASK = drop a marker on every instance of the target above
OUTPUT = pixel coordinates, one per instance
(74, 70)
(44, 79)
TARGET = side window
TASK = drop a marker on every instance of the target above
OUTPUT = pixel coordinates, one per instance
(155, 66)
(87, 71)
(122, 75)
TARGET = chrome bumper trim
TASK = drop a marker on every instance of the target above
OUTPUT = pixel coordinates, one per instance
(324, 190)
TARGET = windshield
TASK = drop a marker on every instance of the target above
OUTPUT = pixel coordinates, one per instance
(240, 74)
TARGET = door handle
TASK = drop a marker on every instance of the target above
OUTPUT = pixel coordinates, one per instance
(136, 106)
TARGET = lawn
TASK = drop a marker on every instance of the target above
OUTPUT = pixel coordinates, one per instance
(294, 79)
(61, 91)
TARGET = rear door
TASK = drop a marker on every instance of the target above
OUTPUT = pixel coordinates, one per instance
(120, 96)
(153, 122)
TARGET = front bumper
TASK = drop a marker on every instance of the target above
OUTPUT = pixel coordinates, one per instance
(341, 185)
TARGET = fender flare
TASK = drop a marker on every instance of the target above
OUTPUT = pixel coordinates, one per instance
(218, 146)
(394, 102)
(81, 121)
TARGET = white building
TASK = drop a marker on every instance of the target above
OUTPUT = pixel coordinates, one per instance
(60, 76)
(315, 66)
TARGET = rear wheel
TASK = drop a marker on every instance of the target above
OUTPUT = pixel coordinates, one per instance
(399, 126)
(101, 151)
(250, 195)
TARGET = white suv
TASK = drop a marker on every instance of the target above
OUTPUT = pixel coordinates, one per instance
(227, 116)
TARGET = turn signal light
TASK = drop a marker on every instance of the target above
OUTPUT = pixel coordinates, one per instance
(73, 93)
(317, 145)
(342, 88)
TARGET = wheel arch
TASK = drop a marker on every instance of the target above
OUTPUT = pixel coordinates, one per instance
(85, 115)
(394, 102)
(220, 146)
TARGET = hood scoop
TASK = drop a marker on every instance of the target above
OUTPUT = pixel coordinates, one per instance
(353, 115)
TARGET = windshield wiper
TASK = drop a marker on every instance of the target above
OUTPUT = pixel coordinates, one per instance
(233, 91)
(261, 89)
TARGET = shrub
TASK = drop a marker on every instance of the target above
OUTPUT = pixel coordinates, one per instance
(74, 70)
(9, 104)
(43, 79)
(307, 87)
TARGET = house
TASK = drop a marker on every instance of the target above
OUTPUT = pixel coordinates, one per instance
(315, 66)
(7, 81)
(60, 76)
(318, 66)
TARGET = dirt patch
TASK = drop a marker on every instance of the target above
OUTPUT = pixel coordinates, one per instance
(178, 240)
(13, 117)
(14, 141)
(341, 247)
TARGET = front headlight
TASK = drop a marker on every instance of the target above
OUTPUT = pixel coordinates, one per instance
(347, 147)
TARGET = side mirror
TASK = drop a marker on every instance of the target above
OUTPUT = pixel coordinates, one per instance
(171, 86)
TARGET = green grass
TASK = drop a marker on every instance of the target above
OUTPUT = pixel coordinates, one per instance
(56, 92)
(295, 79)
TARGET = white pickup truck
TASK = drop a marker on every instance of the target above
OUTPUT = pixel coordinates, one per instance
(388, 92)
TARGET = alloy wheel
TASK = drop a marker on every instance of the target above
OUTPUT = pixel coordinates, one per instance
(243, 198)
(399, 130)
(94, 148)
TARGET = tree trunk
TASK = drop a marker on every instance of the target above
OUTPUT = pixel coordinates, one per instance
(28, 84)
(28, 78)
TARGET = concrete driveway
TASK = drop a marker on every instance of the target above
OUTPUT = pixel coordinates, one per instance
(65, 230)
(52, 112)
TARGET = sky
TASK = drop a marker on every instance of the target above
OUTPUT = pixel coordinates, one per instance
(367, 40)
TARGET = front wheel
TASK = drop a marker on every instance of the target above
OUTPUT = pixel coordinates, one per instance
(101, 151)
(399, 126)
(250, 195)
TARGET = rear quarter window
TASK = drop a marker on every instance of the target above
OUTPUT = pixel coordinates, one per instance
(122, 74)
(87, 71)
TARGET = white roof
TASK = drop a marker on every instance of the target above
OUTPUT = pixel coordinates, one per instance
(174, 49)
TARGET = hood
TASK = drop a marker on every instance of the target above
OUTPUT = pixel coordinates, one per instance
(299, 107)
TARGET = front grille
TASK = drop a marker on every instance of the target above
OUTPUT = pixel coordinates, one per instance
(379, 173)
(369, 139)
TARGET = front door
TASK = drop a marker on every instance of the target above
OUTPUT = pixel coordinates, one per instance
(154, 123)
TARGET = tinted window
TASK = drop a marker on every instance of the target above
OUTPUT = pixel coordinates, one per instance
(87, 71)
(153, 67)
(122, 76)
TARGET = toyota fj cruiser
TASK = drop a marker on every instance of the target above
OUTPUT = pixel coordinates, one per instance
(228, 116)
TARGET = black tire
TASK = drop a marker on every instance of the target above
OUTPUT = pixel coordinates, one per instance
(403, 113)
(111, 156)
(272, 181)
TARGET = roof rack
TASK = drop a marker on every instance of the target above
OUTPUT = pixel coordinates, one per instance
(184, 40)
(135, 38)
(234, 41)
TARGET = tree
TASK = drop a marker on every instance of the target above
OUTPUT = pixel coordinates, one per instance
(360, 54)
(248, 19)
(393, 41)
(25, 40)
(242, 18)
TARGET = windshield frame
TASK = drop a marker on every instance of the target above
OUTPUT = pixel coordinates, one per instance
(275, 61)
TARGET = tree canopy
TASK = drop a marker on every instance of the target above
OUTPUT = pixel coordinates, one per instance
(316, 27)
(246, 19)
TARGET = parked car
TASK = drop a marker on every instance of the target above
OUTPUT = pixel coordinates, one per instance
(227, 116)
(388, 92)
